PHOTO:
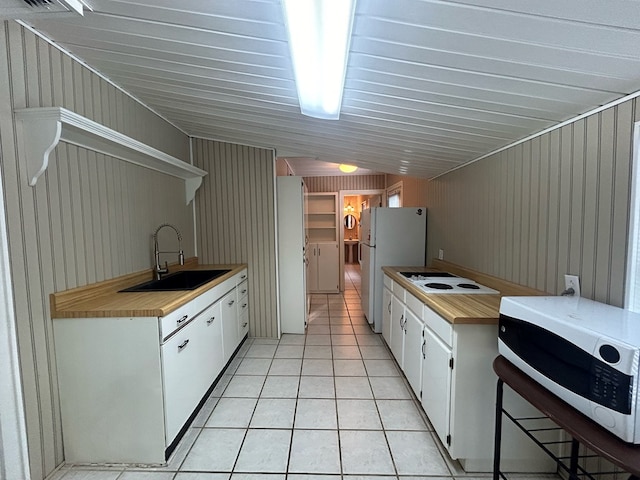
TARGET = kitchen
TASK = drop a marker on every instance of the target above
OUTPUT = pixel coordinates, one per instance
(553, 204)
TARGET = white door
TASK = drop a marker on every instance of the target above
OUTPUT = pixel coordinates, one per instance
(312, 278)
(366, 282)
(229, 324)
(213, 361)
(412, 357)
(328, 267)
(397, 329)
(386, 314)
(436, 384)
(182, 355)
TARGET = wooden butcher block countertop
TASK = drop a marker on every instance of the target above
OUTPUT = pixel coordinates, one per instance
(103, 299)
(462, 308)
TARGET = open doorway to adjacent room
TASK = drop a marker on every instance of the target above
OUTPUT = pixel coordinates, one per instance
(351, 204)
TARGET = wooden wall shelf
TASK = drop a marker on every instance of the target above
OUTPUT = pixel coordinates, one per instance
(41, 129)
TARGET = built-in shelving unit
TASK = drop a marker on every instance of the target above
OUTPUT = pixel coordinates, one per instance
(322, 217)
(41, 129)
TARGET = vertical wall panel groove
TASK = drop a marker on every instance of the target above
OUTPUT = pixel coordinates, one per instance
(235, 211)
(89, 218)
(562, 206)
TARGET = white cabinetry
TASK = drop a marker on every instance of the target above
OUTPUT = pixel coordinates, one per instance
(397, 329)
(189, 350)
(323, 251)
(229, 313)
(412, 354)
(387, 296)
(243, 309)
(292, 255)
(449, 367)
(324, 267)
(129, 385)
(436, 383)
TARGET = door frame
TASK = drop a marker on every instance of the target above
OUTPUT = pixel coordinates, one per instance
(341, 195)
(14, 454)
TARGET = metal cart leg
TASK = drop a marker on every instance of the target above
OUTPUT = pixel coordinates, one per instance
(498, 431)
(573, 465)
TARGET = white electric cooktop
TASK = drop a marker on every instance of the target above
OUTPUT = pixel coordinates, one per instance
(446, 283)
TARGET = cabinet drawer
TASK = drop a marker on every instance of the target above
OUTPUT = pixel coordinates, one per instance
(182, 315)
(243, 306)
(438, 325)
(239, 277)
(415, 305)
(398, 291)
(243, 290)
(388, 282)
(243, 325)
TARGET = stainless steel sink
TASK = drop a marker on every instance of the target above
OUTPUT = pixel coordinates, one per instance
(182, 280)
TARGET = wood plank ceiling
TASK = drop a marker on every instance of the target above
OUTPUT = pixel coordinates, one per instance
(430, 84)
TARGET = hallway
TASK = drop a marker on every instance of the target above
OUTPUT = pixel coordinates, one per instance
(331, 402)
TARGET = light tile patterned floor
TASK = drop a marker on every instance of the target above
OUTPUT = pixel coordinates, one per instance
(318, 406)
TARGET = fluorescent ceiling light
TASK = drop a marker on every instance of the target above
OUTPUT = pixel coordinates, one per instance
(343, 167)
(319, 35)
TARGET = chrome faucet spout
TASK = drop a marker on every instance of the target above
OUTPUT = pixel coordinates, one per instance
(159, 270)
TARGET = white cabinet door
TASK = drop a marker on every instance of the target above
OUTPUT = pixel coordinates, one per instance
(412, 357)
(229, 324)
(312, 277)
(328, 267)
(184, 385)
(436, 384)
(397, 329)
(213, 361)
(386, 314)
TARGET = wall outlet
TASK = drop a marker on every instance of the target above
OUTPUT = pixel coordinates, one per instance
(440, 254)
(572, 281)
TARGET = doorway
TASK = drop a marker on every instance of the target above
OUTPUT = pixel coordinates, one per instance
(351, 204)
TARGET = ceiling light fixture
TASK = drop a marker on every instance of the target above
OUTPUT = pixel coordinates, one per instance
(343, 167)
(319, 35)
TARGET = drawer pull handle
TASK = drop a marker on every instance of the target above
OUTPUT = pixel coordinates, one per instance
(243, 277)
(389, 306)
(210, 321)
(424, 344)
(183, 345)
(401, 321)
(244, 291)
(244, 324)
(244, 305)
(231, 302)
(182, 320)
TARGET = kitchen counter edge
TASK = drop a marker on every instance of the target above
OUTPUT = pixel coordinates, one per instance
(103, 299)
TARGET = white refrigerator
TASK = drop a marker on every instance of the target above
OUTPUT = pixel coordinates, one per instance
(389, 237)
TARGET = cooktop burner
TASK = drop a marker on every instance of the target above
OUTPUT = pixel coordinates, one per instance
(439, 286)
(453, 285)
(416, 277)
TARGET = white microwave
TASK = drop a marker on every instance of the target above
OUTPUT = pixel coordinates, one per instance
(585, 352)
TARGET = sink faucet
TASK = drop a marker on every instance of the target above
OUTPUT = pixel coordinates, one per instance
(159, 270)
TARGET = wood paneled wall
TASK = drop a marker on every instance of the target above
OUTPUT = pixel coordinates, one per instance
(235, 221)
(555, 204)
(344, 182)
(412, 189)
(89, 218)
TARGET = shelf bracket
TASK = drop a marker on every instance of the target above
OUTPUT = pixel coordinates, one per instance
(41, 129)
